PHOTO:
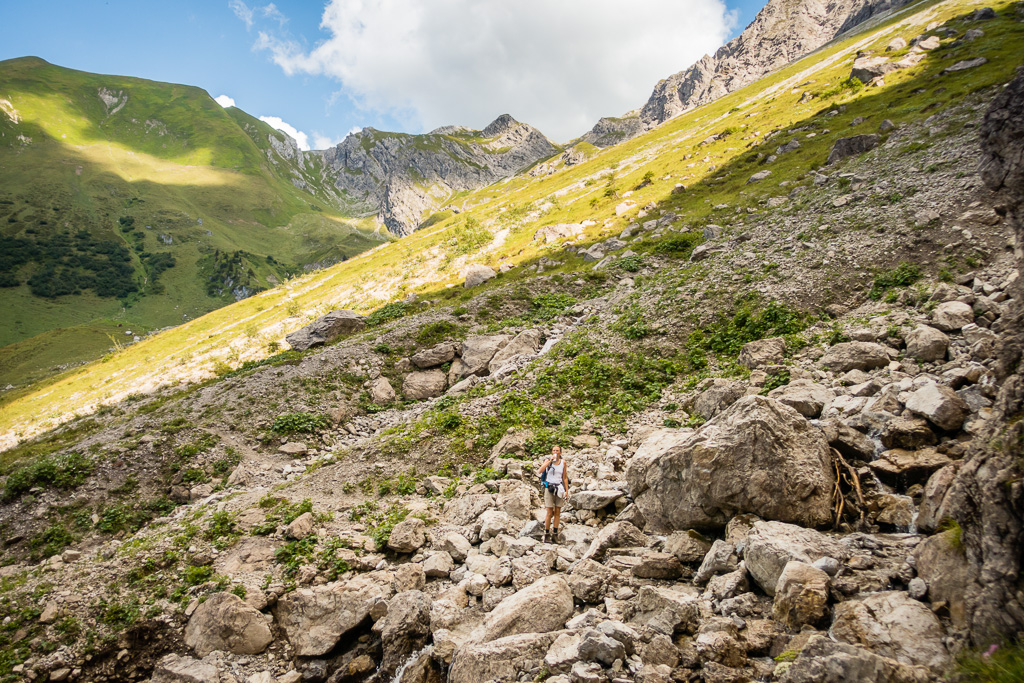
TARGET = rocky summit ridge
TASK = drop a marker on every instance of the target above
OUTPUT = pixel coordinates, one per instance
(784, 30)
(406, 178)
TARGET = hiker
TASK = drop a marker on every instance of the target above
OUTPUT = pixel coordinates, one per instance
(555, 479)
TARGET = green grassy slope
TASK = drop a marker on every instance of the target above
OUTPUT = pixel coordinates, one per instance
(153, 168)
(497, 224)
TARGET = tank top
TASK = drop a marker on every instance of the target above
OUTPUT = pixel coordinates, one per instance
(554, 472)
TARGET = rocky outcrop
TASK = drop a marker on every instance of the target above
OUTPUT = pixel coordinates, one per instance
(315, 619)
(987, 497)
(225, 622)
(784, 30)
(406, 177)
(758, 456)
(326, 328)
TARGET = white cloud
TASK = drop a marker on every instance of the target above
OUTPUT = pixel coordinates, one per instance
(224, 101)
(321, 141)
(242, 11)
(271, 12)
(557, 65)
(300, 138)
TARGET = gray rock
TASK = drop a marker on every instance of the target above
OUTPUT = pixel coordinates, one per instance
(543, 606)
(404, 630)
(927, 344)
(315, 619)
(688, 546)
(760, 175)
(801, 595)
(716, 394)
(823, 661)
(761, 352)
(939, 405)
(893, 625)
(434, 356)
(759, 456)
(424, 384)
(852, 146)
(855, 356)
(325, 329)
(174, 668)
(226, 622)
(526, 343)
(477, 353)
(408, 536)
(594, 500)
(804, 396)
(477, 275)
(503, 659)
(720, 558)
(597, 647)
(965, 64)
(950, 316)
(300, 527)
(381, 391)
(772, 545)
(942, 565)
(457, 546)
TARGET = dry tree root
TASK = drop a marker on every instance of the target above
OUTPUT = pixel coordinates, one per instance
(846, 474)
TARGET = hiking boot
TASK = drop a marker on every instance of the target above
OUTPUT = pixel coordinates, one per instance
(554, 535)
(546, 537)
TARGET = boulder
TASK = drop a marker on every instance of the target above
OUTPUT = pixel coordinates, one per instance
(618, 534)
(688, 546)
(477, 353)
(773, 545)
(175, 668)
(456, 546)
(408, 536)
(804, 396)
(300, 527)
(898, 466)
(543, 606)
(941, 563)
(939, 405)
(424, 384)
(526, 343)
(907, 431)
(589, 581)
(824, 661)
(761, 352)
(503, 659)
(597, 647)
(477, 274)
(893, 625)
(381, 391)
(801, 595)
(716, 395)
(760, 175)
(404, 630)
(855, 356)
(668, 609)
(658, 566)
(951, 316)
(759, 456)
(594, 500)
(852, 146)
(492, 523)
(438, 566)
(868, 67)
(720, 558)
(927, 344)
(315, 619)
(325, 329)
(226, 622)
(933, 501)
(434, 356)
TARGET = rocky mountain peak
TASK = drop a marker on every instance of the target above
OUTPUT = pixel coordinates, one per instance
(500, 125)
(783, 31)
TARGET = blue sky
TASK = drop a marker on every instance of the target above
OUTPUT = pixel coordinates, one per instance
(328, 67)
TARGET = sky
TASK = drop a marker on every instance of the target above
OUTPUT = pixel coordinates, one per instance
(321, 69)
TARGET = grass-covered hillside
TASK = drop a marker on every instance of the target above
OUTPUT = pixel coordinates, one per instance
(131, 205)
(693, 173)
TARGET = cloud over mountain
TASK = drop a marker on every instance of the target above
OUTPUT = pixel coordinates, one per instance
(559, 66)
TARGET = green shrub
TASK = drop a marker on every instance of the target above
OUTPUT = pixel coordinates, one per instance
(436, 332)
(850, 84)
(387, 313)
(998, 664)
(202, 444)
(728, 334)
(631, 263)
(903, 275)
(679, 246)
(774, 381)
(62, 471)
(294, 423)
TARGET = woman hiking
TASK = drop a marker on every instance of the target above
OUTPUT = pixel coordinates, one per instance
(555, 478)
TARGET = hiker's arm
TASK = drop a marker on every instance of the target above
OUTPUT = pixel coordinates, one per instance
(565, 477)
(543, 467)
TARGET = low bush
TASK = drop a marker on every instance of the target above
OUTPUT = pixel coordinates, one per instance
(295, 423)
(62, 471)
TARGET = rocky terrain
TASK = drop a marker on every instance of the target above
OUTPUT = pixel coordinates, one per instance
(406, 178)
(792, 429)
(784, 30)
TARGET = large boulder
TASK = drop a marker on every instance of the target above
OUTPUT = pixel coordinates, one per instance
(893, 625)
(326, 328)
(950, 316)
(618, 534)
(773, 545)
(594, 500)
(852, 146)
(934, 506)
(315, 619)
(381, 391)
(405, 629)
(823, 660)
(805, 396)
(174, 668)
(940, 405)
(526, 343)
(855, 355)
(755, 354)
(801, 595)
(759, 456)
(408, 536)
(434, 356)
(908, 467)
(543, 606)
(717, 394)
(424, 384)
(942, 565)
(503, 659)
(477, 353)
(668, 609)
(927, 344)
(226, 622)
(477, 275)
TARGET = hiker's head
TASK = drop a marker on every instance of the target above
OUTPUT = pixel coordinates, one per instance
(556, 451)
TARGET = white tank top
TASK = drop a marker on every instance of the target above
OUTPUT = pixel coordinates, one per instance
(554, 472)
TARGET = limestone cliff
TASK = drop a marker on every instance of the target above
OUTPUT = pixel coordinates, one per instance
(784, 30)
(406, 177)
